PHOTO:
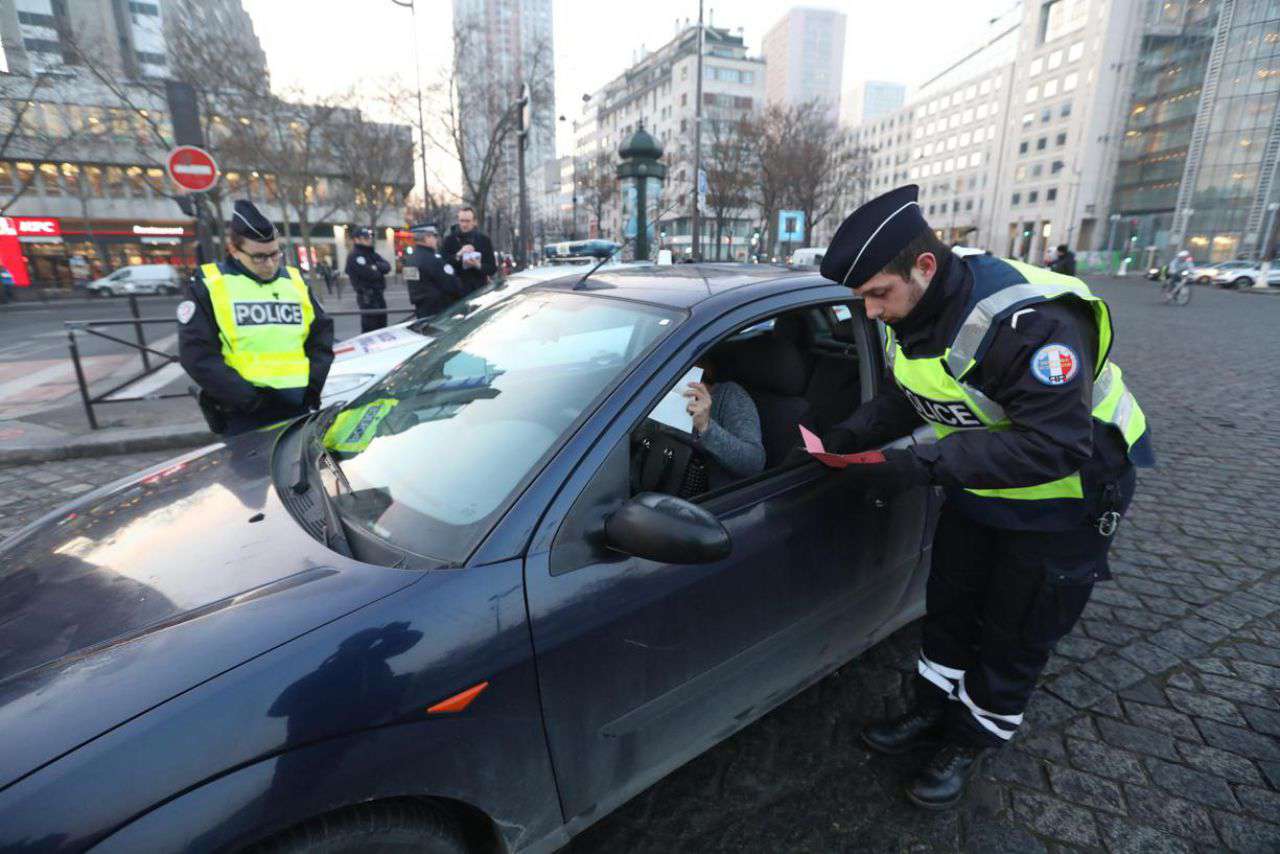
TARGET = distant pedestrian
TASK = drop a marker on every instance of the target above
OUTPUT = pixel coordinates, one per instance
(368, 273)
(470, 252)
(1065, 261)
(326, 273)
(6, 285)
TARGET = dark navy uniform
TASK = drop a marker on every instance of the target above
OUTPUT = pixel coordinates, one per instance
(1037, 442)
(368, 273)
(432, 281)
(472, 278)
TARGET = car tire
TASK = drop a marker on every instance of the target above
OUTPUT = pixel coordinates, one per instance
(400, 826)
(1242, 282)
(1203, 280)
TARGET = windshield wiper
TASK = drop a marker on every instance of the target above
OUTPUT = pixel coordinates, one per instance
(332, 532)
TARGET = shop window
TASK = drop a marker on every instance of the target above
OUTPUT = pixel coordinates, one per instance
(8, 179)
(115, 182)
(137, 182)
(120, 123)
(93, 181)
(155, 177)
(71, 178)
(49, 179)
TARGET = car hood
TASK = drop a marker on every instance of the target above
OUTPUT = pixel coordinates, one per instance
(154, 584)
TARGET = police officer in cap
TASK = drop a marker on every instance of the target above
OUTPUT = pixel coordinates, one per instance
(368, 273)
(251, 333)
(433, 285)
(1037, 439)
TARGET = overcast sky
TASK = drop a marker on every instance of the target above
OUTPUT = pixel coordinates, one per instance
(326, 46)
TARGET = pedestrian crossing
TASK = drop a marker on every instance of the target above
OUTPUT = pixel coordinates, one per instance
(33, 385)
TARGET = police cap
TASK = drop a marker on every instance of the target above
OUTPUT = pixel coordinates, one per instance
(248, 221)
(361, 232)
(422, 229)
(873, 235)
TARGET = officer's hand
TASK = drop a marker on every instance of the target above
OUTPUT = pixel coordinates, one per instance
(839, 441)
(889, 470)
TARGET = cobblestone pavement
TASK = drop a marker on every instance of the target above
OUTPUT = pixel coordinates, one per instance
(1158, 726)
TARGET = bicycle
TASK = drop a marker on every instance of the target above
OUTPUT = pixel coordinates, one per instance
(1175, 290)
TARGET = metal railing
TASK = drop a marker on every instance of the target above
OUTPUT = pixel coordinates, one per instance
(145, 352)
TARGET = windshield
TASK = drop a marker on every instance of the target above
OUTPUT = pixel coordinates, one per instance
(435, 449)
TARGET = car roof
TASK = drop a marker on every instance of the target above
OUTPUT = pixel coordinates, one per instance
(686, 285)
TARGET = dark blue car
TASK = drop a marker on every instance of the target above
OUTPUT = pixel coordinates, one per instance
(477, 608)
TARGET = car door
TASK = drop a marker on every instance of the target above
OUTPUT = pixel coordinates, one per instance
(643, 665)
(120, 283)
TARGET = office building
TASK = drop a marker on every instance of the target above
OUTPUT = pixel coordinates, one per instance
(804, 58)
(660, 91)
(869, 100)
(502, 44)
(82, 184)
(1198, 166)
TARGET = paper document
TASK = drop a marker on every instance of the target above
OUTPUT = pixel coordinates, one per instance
(814, 446)
(672, 410)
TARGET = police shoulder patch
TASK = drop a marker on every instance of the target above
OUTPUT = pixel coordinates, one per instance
(448, 268)
(1055, 364)
(186, 310)
(360, 259)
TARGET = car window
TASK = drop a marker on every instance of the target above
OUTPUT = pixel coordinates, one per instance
(120, 274)
(435, 449)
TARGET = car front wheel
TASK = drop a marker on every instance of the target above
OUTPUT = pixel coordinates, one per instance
(389, 828)
(1242, 282)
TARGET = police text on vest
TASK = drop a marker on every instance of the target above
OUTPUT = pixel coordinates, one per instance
(268, 313)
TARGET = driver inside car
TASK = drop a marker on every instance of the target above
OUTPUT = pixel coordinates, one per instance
(726, 427)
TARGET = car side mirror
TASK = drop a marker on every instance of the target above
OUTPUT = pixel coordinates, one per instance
(667, 529)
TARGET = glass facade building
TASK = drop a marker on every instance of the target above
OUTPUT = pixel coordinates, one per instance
(1198, 164)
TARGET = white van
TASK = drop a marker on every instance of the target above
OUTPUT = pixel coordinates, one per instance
(808, 256)
(138, 279)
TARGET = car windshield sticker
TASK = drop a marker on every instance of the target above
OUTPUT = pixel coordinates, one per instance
(186, 309)
(1055, 364)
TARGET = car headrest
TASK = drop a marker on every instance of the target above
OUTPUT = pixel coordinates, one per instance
(767, 364)
(792, 327)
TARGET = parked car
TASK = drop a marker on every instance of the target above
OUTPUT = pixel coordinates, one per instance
(460, 612)
(808, 257)
(1204, 274)
(361, 361)
(138, 279)
(1247, 275)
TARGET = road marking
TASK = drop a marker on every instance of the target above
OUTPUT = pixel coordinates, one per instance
(53, 373)
(147, 385)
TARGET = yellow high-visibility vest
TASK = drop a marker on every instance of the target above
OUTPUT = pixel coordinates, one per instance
(263, 328)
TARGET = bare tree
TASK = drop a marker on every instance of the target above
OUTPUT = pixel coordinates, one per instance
(767, 135)
(824, 159)
(727, 162)
(372, 156)
(596, 184)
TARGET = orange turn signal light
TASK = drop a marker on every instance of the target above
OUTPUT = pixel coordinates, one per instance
(458, 702)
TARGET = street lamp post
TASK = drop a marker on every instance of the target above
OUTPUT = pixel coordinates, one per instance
(422, 128)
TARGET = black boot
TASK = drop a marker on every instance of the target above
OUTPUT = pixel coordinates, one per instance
(921, 727)
(942, 782)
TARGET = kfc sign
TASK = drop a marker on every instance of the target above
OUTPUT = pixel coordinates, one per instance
(37, 227)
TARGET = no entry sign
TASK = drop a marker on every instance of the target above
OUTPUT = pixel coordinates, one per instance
(192, 169)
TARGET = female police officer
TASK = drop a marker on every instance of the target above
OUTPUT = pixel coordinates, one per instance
(251, 333)
(1037, 442)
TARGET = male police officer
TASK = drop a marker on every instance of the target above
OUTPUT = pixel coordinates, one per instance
(1037, 440)
(251, 333)
(431, 280)
(368, 273)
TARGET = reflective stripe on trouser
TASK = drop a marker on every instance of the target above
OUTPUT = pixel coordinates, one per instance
(997, 603)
